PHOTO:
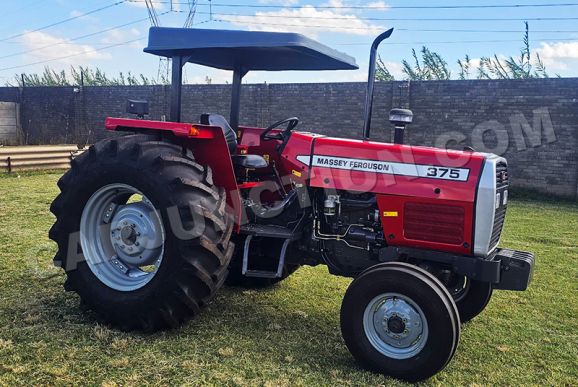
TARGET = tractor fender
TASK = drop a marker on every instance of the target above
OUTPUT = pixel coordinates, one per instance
(208, 145)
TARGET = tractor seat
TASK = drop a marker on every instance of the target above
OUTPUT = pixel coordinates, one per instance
(245, 161)
(249, 161)
(220, 121)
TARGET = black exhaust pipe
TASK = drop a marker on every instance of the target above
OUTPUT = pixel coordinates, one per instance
(371, 81)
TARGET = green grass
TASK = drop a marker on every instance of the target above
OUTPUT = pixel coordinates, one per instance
(288, 335)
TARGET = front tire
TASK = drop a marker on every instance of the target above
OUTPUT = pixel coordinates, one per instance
(399, 320)
(142, 232)
(471, 297)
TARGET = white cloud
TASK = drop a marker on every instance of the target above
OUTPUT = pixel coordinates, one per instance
(341, 6)
(82, 16)
(559, 55)
(282, 2)
(60, 47)
(200, 75)
(334, 3)
(395, 69)
(158, 4)
(379, 6)
(307, 20)
(118, 35)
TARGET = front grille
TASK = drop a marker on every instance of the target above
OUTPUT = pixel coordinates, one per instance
(502, 181)
(434, 223)
(502, 176)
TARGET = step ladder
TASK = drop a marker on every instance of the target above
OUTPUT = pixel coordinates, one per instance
(266, 231)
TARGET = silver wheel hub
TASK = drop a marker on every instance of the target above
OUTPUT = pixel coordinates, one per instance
(122, 243)
(135, 234)
(395, 325)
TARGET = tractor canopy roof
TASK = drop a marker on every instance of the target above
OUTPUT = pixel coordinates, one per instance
(246, 50)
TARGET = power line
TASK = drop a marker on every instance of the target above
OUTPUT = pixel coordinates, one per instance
(78, 37)
(64, 21)
(191, 15)
(398, 29)
(488, 31)
(73, 55)
(375, 7)
(34, 3)
(387, 7)
(346, 18)
(84, 52)
(446, 42)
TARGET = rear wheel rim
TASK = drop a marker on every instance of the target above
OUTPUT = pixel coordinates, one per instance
(122, 243)
(395, 326)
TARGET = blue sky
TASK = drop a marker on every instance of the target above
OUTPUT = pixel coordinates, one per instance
(110, 34)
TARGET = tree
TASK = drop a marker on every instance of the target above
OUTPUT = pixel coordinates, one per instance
(431, 65)
(465, 67)
(82, 75)
(513, 68)
(381, 72)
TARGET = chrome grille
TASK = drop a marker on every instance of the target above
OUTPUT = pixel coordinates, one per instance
(502, 182)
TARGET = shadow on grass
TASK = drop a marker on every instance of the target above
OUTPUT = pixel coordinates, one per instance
(258, 324)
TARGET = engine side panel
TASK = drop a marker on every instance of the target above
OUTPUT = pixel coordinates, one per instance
(436, 224)
(426, 196)
(382, 168)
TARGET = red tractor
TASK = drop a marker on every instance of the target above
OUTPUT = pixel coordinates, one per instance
(149, 225)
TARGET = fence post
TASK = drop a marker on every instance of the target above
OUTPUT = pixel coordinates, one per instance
(9, 160)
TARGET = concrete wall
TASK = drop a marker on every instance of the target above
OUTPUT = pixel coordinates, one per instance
(534, 123)
(9, 123)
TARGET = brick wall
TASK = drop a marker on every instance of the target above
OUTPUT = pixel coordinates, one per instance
(534, 123)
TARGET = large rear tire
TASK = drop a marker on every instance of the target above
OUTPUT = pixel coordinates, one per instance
(399, 320)
(142, 232)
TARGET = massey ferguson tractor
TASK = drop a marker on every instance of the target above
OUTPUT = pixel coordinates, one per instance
(150, 224)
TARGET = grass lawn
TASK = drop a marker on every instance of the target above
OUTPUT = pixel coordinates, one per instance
(288, 335)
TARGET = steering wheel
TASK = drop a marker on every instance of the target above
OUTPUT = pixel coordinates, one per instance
(291, 124)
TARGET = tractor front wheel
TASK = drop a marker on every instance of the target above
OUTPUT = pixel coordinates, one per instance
(471, 297)
(142, 232)
(399, 320)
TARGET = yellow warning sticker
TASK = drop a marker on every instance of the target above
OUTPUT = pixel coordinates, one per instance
(390, 213)
(296, 173)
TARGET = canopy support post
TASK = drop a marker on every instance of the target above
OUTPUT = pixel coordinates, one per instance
(238, 75)
(176, 87)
